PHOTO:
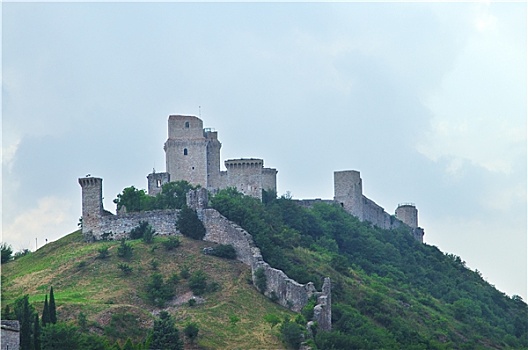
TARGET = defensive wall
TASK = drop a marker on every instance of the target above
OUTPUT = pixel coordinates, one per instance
(10, 339)
(286, 291)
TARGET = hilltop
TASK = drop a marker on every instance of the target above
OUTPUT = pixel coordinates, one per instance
(389, 291)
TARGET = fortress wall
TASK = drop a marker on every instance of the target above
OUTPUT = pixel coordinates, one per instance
(308, 203)
(222, 231)
(290, 293)
(375, 214)
(163, 221)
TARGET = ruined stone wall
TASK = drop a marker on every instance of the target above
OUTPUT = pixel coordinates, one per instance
(119, 226)
(308, 203)
(155, 181)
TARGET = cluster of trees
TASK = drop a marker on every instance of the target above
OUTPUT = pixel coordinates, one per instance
(398, 270)
(172, 196)
(7, 253)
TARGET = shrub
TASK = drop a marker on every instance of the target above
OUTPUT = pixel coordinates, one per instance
(172, 243)
(184, 273)
(226, 251)
(7, 252)
(291, 334)
(260, 280)
(143, 231)
(125, 268)
(154, 264)
(191, 331)
(103, 253)
(158, 291)
(198, 282)
(124, 250)
(189, 224)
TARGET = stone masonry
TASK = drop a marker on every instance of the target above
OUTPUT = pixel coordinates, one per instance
(10, 335)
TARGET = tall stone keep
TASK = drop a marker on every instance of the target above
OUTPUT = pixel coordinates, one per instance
(92, 204)
(348, 191)
(186, 150)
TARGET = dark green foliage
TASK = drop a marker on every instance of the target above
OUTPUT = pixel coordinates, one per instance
(36, 333)
(103, 252)
(82, 322)
(6, 251)
(291, 334)
(124, 250)
(143, 231)
(189, 224)
(184, 273)
(191, 331)
(164, 334)
(128, 345)
(24, 314)
(154, 264)
(172, 196)
(272, 319)
(226, 251)
(52, 307)
(172, 243)
(159, 291)
(192, 302)
(261, 280)
(46, 313)
(60, 336)
(308, 310)
(125, 268)
(402, 285)
(198, 282)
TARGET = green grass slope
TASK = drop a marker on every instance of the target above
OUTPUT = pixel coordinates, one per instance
(232, 317)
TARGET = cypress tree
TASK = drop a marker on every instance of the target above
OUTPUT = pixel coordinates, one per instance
(36, 333)
(52, 308)
(45, 313)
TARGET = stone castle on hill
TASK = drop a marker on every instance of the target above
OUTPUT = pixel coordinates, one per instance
(193, 154)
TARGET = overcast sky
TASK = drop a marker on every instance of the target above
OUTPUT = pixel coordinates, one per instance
(428, 101)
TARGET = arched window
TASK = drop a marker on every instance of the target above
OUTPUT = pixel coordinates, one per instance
(187, 124)
(185, 151)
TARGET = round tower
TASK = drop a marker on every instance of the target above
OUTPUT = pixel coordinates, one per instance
(348, 191)
(186, 150)
(92, 205)
(408, 214)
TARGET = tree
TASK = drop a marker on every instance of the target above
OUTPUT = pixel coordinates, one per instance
(158, 291)
(191, 331)
(6, 251)
(189, 224)
(24, 314)
(133, 199)
(291, 334)
(124, 250)
(60, 336)
(52, 307)
(164, 334)
(173, 195)
(36, 333)
(272, 319)
(46, 313)
(198, 282)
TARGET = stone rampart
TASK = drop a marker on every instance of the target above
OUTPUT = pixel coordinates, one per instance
(119, 226)
(10, 335)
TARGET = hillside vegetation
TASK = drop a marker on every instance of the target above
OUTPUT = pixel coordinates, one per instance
(388, 290)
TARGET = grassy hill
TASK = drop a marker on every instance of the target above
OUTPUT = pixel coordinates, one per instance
(116, 305)
(388, 290)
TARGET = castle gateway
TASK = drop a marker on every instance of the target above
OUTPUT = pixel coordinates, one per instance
(192, 153)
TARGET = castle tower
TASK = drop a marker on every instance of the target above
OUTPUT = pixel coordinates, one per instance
(348, 191)
(92, 205)
(408, 214)
(245, 175)
(213, 159)
(186, 150)
(156, 181)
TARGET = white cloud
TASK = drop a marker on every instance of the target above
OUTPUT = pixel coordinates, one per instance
(49, 220)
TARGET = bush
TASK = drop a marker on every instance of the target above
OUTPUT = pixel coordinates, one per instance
(158, 291)
(198, 282)
(226, 251)
(103, 253)
(189, 225)
(291, 334)
(7, 252)
(124, 250)
(260, 280)
(125, 268)
(144, 231)
(172, 243)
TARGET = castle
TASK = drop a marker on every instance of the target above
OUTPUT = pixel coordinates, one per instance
(193, 154)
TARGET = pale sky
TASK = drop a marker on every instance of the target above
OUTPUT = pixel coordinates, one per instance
(427, 100)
